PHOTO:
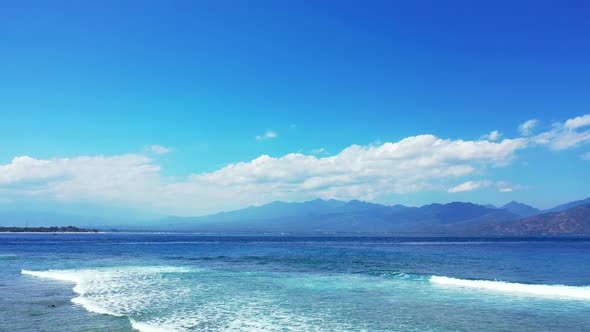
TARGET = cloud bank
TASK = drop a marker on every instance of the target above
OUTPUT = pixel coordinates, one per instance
(414, 164)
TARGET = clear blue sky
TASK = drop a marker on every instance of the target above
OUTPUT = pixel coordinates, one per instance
(205, 78)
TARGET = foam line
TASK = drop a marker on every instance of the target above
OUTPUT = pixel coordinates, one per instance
(552, 291)
(79, 288)
(89, 283)
(144, 327)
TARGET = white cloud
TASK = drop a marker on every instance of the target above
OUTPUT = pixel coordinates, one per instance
(269, 134)
(467, 186)
(501, 186)
(126, 177)
(422, 156)
(565, 135)
(507, 187)
(28, 169)
(578, 122)
(413, 164)
(492, 136)
(526, 129)
(158, 149)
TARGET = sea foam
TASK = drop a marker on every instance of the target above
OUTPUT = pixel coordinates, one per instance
(551, 291)
(155, 300)
(113, 291)
(145, 327)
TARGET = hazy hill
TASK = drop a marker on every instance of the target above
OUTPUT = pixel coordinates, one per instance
(349, 217)
(569, 205)
(521, 209)
(334, 216)
(575, 220)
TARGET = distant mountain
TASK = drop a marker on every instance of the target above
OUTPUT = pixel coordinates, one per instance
(575, 220)
(334, 216)
(521, 209)
(347, 217)
(280, 209)
(569, 205)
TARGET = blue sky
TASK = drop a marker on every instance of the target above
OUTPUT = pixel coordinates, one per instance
(86, 85)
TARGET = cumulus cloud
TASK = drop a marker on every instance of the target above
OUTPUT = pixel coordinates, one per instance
(269, 134)
(28, 169)
(420, 157)
(571, 133)
(492, 136)
(158, 149)
(501, 186)
(467, 186)
(526, 128)
(413, 164)
(578, 122)
(95, 178)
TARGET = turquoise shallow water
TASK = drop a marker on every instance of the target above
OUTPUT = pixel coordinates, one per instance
(164, 282)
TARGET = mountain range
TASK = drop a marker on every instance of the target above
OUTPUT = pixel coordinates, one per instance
(333, 216)
(521, 209)
(575, 220)
(569, 205)
(353, 217)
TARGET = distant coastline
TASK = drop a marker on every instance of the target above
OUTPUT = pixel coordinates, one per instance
(66, 229)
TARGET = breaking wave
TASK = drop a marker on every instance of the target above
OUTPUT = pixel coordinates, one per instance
(552, 291)
(165, 299)
(116, 292)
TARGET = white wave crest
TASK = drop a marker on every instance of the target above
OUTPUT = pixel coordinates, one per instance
(145, 327)
(552, 291)
(98, 289)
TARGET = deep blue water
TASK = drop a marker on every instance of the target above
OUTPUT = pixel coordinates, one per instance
(164, 282)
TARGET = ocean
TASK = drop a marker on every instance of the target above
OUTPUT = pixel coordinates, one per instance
(191, 282)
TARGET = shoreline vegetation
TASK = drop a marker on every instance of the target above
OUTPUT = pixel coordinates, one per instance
(65, 229)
